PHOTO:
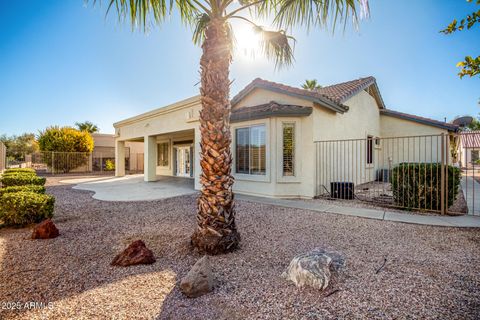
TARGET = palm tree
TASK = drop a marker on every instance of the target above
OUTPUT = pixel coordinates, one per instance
(311, 85)
(86, 126)
(211, 24)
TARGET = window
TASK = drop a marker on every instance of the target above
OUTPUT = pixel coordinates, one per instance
(288, 162)
(475, 156)
(251, 150)
(162, 154)
(369, 150)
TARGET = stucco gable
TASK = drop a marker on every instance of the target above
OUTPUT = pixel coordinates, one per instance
(307, 95)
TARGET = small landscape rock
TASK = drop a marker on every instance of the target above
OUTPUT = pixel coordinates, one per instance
(199, 279)
(45, 230)
(313, 269)
(136, 253)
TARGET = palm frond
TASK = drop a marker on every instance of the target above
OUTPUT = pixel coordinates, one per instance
(312, 13)
(144, 13)
(202, 21)
(276, 46)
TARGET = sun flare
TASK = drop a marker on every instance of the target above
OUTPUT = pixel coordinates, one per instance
(247, 41)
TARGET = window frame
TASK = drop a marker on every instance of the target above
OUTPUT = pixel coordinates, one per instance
(297, 177)
(251, 171)
(369, 152)
(248, 177)
(292, 124)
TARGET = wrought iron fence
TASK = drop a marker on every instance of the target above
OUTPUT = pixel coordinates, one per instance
(415, 173)
(76, 162)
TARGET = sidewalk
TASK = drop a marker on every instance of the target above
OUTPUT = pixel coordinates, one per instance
(379, 214)
(471, 190)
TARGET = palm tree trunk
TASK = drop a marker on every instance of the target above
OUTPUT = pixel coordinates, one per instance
(216, 231)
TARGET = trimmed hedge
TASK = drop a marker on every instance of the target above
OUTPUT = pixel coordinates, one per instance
(22, 208)
(28, 188)
(10, 180)
(8, 174)
(16, 170)
(418, 185)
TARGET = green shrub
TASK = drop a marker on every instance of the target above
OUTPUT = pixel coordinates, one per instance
(22, 208)
(22, 180)
(109, 165)
(68, 148)
(29, 174)
(418, 185)
(28, 188)
(16, 170)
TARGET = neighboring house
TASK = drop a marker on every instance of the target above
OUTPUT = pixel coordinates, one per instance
(274, 128)
(104, 150)
(469, 148)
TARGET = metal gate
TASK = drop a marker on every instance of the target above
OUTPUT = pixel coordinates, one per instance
(422, 173)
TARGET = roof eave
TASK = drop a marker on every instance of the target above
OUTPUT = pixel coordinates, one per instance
(270, 114)
(447, 127)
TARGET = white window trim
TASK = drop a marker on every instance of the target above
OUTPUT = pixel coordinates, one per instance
(251, 177)
(296, 178)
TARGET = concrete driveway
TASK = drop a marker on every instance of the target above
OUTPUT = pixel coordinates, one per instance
(133, 188)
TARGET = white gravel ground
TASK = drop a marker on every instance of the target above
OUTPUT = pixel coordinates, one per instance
(430, 273)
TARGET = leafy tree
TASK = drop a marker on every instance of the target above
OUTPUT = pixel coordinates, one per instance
(474, 125)
(70, 148)
(311, 85)
(212, 29)
(87, 126)
(18, 146)
(470, 66)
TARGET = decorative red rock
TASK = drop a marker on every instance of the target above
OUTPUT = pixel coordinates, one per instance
(135, 253)
(45, 230)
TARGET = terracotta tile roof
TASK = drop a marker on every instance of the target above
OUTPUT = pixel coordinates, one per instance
(302, 93)
(427, 121)
(340, 92)
(470, 139)
(271, 109)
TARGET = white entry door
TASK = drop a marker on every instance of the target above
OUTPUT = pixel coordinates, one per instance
(183, 162)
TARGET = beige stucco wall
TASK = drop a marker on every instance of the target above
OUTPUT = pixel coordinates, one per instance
(345, 161)
(273, 183)
(420, 142)
(395, 127)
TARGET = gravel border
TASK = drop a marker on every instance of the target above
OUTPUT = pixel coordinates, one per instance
(430, 272)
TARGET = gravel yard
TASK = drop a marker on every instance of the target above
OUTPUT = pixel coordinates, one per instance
(430, 273)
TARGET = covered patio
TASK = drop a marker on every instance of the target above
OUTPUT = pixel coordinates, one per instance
(170, 137)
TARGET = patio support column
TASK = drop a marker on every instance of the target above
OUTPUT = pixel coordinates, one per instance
(150, 160)
(119, 158)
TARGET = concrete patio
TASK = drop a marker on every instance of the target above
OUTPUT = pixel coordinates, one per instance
(133, 187)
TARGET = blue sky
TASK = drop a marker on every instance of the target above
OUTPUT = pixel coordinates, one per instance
(61, 61)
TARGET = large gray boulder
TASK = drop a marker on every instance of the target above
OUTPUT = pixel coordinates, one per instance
(199, 279)
(313, 269)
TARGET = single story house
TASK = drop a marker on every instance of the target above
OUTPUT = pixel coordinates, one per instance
(274, 133)
(469, 148)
